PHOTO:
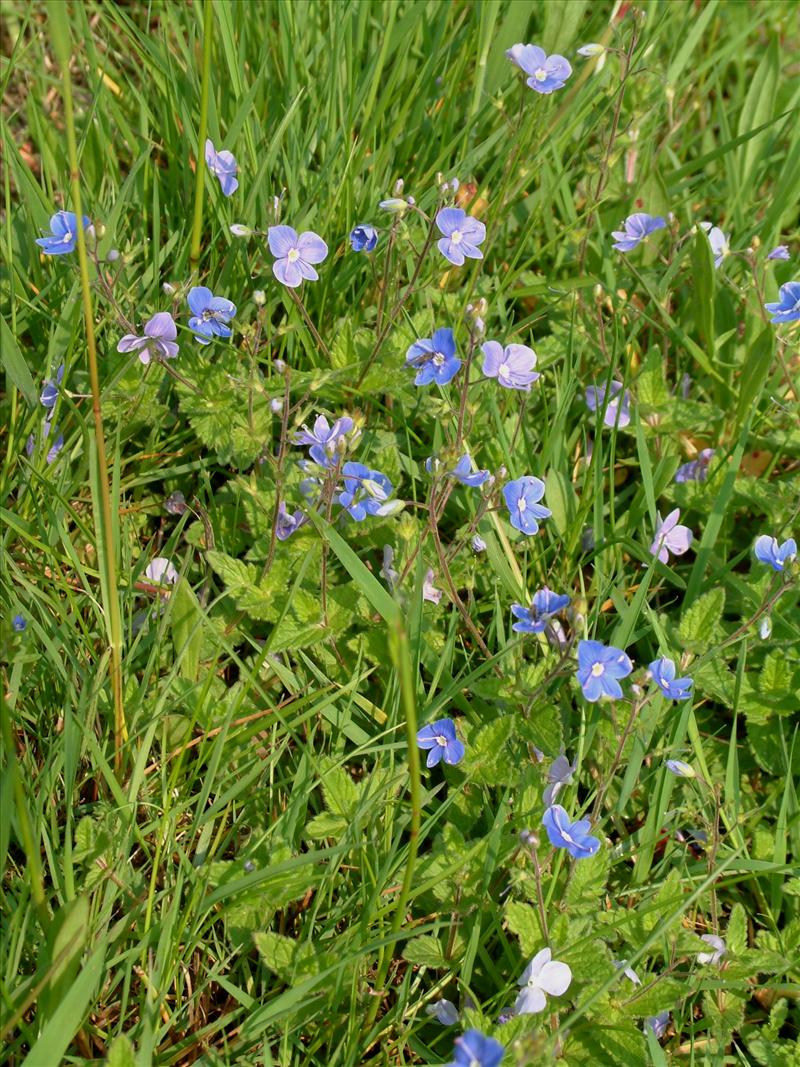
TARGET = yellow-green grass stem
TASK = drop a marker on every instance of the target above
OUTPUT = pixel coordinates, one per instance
(202, 129)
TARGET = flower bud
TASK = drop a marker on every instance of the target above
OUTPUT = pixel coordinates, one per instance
(478, 544)
(96, 230)
(276, 405)
(113, 255)
(259, 297)
(280, 366)
(399, 185)
(590, 50)
(395, 205)
(168, 289)
(238, 230)
(765, 628)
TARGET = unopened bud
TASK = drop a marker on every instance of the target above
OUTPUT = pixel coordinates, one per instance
(276, 405)
(168, 289)
(765, 628)
(259, 297)
(280, 366)
(96, 230)
(238, 230)
(399, 185)
(112, 256)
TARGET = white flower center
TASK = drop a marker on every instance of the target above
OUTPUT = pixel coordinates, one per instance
(438, 359)
(503, 372)
(440, 741)
(522, 504)
(597, 670)
(540, 75)
(456, 237)
(293, 255)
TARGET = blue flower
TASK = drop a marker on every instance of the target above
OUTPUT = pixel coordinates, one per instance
(435, 357)
(474, 1049)
(679, 768)
(223, 166)
(325, 440)
(19, 623)
(522, 500)
(463, 472)
(547, 73)
(768, 551)
(50, 390)
(718, 241)
(787, 307)
(64, 233)
(663, 672)
(780, 252)
(440, 738)
(287, 524)
(697, 469)
(620, 402)
(671, 537)
(462, 235)
(559, 774)
(295, 256)
(54, 449)
(478, 544)
(657, 1023)
(599, 667)
(210, 315)
(158, 338)
(363, 238)
(512, 366)
(365, 492)
(544, 605)
(573, 836)
(635, 229)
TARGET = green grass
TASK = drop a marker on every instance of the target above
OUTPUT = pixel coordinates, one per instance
(241, 880)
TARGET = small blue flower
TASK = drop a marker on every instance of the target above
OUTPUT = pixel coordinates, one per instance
(462, 235)
(718, 241)
(64, 233)
(223, 166)
(522, 498)
(435, 357)
(599, 667)
(440, 738)
(287, 524)
(663, 672)
(787, 307)
(768, 551)
(619, 403)
(157, 340)
(325, 440)
(559, 775)
(573, 836)
(474, 1049)
(544, 605)
(478, 544)
(657, 1023)
(54, 449)
(671, 537)
(546, 73)
(210, 314)
(697, 469)
(366, 492)
(679, 768)
(50, 390)
(19, 623)
(295, 255)
(512, 366)
(463, 472)
(780, 252)
(635, 229)
(363, 238)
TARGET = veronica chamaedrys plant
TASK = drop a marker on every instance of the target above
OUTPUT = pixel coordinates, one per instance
(429, 590)
(543, 975)
(210, 314)
(161, 571)
(55, 447)
(325, 441)
(628, 971)
(696, 470)
(670, 537)
(787, 307)
(512, 366)
(599, 669)
(767, 550)
(295, 255)
(440, 739)
(363, 238)
(474, 1049)
(366, 491)
(559, 775)
(545, 73)
(434, 358)
(463, 473)
(444, 1011)
(663, 673)
(157, 341)
(657, 1024)
(224, 167)
(573, 836)
(779, 252)
(618, 410)
(461, 235)
(63, 233)
(522, 498)
(544, 605)
(718, 241)
(286, 524)
(50, 391)
(635, 229)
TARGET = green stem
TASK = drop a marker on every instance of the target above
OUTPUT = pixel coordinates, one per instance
(60, 37)
(200, 169)
(401, 657)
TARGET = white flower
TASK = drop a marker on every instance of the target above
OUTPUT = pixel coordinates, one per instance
(717, 944)
(542, 975)
(161, 571)
(591, 50)
(628, 971)
(444, 1011)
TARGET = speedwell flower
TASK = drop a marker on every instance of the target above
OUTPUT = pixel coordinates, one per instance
(50, 391)
(695, 470)
(599, 668)
(444, 1011)
(628, 971)
(619, 403)
(210, 314)
(55, 448)
(718, 241)
(522, 498)
(787, 306)
(768, 551)
(462, 235)
(429, 590)
(158, 340)
(287, 524)
(363, 238)
(559, 775)
(440, 738)
(542, 975)
(463, 473)
(670, 537)
(19, 623)
(680, 768)
(657, 1023)
(546, 73)
(474, 1049)
(324, 440)
(717, 944)
(295, 255)
(544, 605)
(573, 836)
(161, 571)
(635, 229)
(512, 365)
(64, 233)
(779, 252)
(663, 673)
(435, 358)
(366, 492)
(223, 166)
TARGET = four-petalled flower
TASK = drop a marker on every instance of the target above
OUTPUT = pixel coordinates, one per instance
(573, 836)
(635, 229)
(295, 255)
(210, 314)
(663, 674)
(545, 73)
(522, 498)
(618, 410)
(462, 235)
(599, 669)
(542, 975)
(474, 1049)
(512, 366)
(670, 537)
(435, 358)
(768, 551)
(787, 306)
(223, 166)
(544, 605)
(440, 739)
(158, 339)
(63, 233)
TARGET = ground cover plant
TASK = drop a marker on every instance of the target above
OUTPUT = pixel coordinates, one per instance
(400, 493)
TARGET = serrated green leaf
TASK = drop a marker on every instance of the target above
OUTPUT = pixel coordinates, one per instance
(700, 623)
